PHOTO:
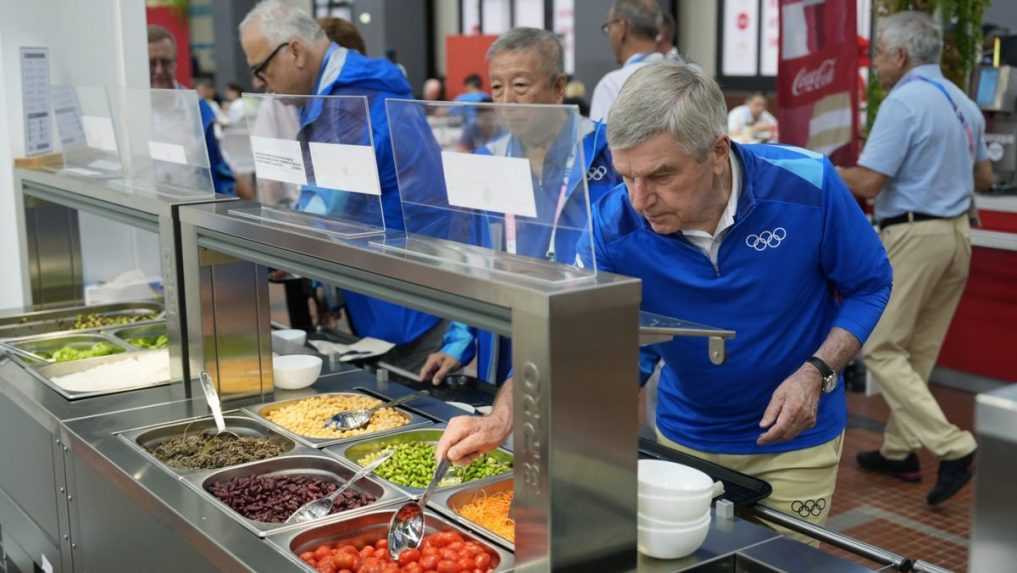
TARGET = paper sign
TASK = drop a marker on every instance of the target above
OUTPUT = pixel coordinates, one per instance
(67, 112)
(99, 132)
(490, 183)
(35, 100)
(170, 152)
(278, 160)
(345, 167)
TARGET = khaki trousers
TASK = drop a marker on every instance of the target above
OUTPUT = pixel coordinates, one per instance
(930, 262)
(803, 481)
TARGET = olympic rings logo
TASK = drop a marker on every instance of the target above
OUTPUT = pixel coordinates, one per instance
(809, 507)
(766, 239)
(596, 173)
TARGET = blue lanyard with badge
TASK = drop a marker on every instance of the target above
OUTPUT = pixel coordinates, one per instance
(956, 110)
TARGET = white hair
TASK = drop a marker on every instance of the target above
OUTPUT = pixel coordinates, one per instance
(668, 97)
(283, 22)
(914, 32)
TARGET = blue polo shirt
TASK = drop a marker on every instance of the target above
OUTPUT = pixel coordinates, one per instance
(921, 145)
(800, 259)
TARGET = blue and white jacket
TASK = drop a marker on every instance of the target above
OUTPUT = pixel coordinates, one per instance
(800, 259)
(461, 341)
(348, 73)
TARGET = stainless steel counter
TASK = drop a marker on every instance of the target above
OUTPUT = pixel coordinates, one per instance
(126, 513)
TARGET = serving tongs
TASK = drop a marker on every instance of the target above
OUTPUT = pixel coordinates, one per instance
(212, 397)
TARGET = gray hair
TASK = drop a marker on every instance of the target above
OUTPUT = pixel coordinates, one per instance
(672, 98)
(643, 16)
(544, 42)
(914, 32)
(283, 22)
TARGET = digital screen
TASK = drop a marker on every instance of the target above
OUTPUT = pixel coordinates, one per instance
(987, 87)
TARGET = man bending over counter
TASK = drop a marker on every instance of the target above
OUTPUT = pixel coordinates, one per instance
(764, 240)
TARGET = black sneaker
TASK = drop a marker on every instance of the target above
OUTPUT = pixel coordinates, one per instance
(953, 475)
(907, 469)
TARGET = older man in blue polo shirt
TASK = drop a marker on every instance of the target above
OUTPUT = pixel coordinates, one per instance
(924, 157)
(762, 239)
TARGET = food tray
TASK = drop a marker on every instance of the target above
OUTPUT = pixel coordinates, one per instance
(149, 329)
(739, 489)
(52, 342)
(260, 410)
(46, 321)
(357, 450)
(45, 372)
(312, 464)
(448, 501)
(369, 527)
(150, 436)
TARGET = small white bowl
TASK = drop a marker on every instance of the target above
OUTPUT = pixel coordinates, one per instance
(295, 371)
(672, 543)
(663, 478)
(288, 341)
(648, 521)
(674, 509)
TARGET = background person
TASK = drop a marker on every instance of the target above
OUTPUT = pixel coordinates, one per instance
(924, 157)
(631, 28)
(751, 123)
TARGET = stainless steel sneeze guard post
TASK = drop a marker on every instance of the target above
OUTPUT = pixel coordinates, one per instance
(575, 355)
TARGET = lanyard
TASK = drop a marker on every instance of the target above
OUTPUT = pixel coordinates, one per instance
(968, 132)
(510, 219)
(635, 59)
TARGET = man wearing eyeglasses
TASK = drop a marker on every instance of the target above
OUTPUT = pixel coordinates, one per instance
(632, 28)
(289, 53)
(162, 69)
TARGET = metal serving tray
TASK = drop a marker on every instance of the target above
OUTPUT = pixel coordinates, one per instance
(149, 329)
(369, 527)
(316, 465)
(46, 321)
(450, 500)
(50, 343)
(259, 411)
(357, 450)
(44, 372)
(151, 436)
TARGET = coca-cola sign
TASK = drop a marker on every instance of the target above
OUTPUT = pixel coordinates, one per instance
(807, 80)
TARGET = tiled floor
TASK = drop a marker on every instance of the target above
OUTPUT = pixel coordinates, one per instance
(890, 513)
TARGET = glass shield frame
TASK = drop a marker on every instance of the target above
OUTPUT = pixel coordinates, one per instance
(315, 164)
(163, 138)
(482, 177)
(85, 129)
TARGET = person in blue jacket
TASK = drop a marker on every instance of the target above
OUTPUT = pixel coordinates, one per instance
(762, 239)
(162, 70)
(526, 66)
(290, 54)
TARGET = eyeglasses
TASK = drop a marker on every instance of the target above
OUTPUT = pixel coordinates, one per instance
(258, 71)
(607, 25)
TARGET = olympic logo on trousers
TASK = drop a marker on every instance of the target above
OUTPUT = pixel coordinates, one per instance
(596, 173)
(766, 239)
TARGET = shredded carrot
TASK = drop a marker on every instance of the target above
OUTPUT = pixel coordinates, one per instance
(492, 513)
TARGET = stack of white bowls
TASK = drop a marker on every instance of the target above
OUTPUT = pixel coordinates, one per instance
(674, 508)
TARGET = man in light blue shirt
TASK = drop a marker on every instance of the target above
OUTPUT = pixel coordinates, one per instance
(924, 157)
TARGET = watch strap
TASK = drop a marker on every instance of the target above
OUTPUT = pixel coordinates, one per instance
(824, 369)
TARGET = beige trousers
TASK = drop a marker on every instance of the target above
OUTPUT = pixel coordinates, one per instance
(803, 481)
(930, 262)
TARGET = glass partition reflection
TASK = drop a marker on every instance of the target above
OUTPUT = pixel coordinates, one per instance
(84, 126)
(509, 178)
(315, 164)
(163, 141)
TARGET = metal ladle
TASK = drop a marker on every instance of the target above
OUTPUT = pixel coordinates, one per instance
(323, 506)
(406, 530)
(212, 397)
(353, 419)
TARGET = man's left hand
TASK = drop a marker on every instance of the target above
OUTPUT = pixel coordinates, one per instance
(792, 407)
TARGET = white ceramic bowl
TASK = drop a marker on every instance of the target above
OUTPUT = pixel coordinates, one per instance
(295, 371)
(667, 479)
(676, 509)
(289, 341)
(647, 521)
(672, 543)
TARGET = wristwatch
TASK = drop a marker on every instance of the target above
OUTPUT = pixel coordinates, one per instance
(828, 374)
